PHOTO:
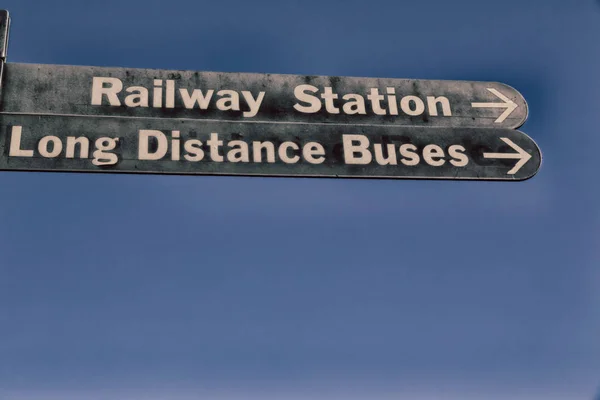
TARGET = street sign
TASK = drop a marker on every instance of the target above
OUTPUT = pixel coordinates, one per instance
(209, 147)
(123, 120)
(244, 97)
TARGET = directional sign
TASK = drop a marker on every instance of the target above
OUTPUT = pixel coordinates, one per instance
(98, 119)
(212, 96)
(159, 146)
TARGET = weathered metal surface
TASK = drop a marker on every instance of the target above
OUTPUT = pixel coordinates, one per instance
(126, 145)
(4, 30)
(244, 97)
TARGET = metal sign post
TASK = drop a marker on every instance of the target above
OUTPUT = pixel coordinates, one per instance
(4, 32)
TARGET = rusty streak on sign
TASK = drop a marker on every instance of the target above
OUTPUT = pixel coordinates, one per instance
(158, 146)
(255, 98)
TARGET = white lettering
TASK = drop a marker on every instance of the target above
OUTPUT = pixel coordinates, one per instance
(411, 158)
(283, 152)
(238, 152)
(189, 101)
(193, 147)
(391, 158)
(432, 103)
(170, 103)
(98, 90)
(313, 152)
(459, 159)
(355, 106)
(104, 145)
(15, 144)
(375, 99)
(144, 148)
(356, 153)
(175, 145)
(329, 96)
(214, 143)
(84, 147)
(253, 104)
(434, 155)
(419, 106)
(230, 100)
(137, 98)
(158, 93)
(314, 103)
(257, 148)
(50, 141)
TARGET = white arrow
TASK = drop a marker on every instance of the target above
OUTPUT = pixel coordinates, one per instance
(507, 103)
(520, 155)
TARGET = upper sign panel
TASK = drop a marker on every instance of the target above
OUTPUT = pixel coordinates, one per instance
(244, 97)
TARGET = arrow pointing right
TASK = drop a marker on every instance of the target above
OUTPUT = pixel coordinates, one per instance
(507, 103)
(520, 155)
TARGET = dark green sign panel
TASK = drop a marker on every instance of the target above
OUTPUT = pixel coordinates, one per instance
(243, 97)
(159, 146)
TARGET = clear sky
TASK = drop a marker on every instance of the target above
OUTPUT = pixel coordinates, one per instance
(161, 287)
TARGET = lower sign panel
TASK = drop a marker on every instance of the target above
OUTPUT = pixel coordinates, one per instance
(159, 146)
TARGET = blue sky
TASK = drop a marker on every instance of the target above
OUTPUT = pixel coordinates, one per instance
(163, 287)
